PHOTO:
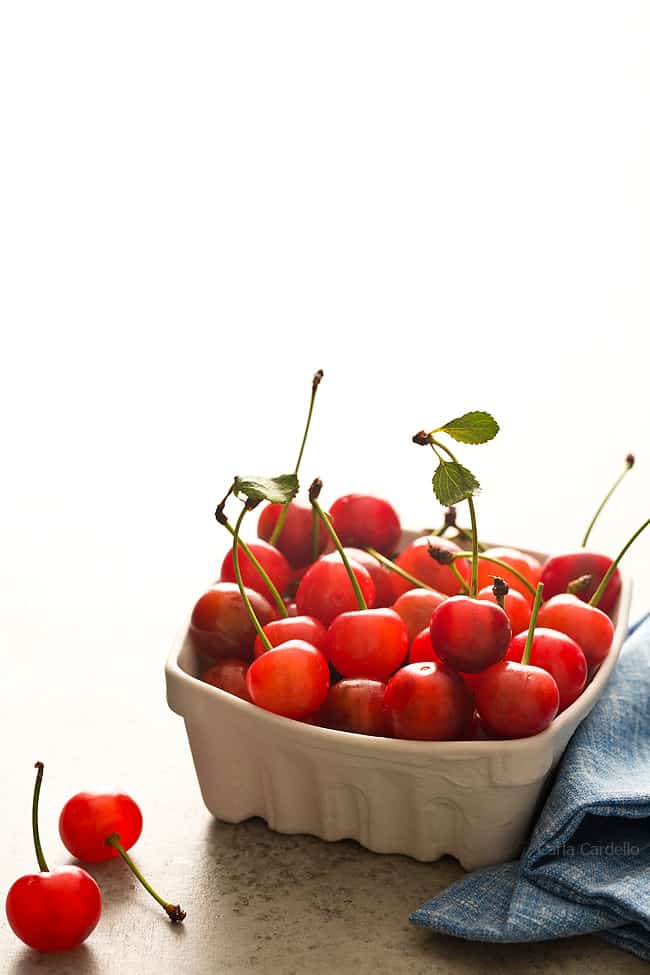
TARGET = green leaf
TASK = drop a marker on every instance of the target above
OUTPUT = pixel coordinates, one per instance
(476, 427)
(452, 483)
(279, 490)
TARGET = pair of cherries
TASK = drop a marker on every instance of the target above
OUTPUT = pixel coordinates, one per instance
(55, 910)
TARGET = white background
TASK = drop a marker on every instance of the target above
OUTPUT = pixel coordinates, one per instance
(444, 206)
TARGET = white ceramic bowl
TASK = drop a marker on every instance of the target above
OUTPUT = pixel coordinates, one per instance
(472, 799)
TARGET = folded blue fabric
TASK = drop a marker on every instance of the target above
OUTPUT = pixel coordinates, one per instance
(587, 866)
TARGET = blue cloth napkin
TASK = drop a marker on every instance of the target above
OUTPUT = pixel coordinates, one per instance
(587, 866)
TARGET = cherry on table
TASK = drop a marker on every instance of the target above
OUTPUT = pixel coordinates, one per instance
(220, 625)
(271, 560)
(306, 628)
(295, 540)
(356, 705)
(428, 702)
(291, 679)
(589, 626)
(416, 607)
(416, 560)
(325, 590)
(228, 675)
(559, 655)
(364, 521)
(369, 643)
(470, 634)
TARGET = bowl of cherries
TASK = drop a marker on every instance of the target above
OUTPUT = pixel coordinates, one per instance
(414, 691)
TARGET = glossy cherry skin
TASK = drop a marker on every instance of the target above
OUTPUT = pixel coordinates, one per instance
(228, 675)
(325, 590)
(89, 818)
(516, 700)
(357, 705)
(560, 570)
(558, 654)
(363, 521)
(528, 565)
(416, 608)
(306, 628)
(591, 629)
(422, 648)
(368, 643)
(291, 679)
(272, 561)
(470, 634)
(416, 560)
(428, 702)
(516, 606)
(295, 541)
(220, 625)
(55, 910)
(380, 575)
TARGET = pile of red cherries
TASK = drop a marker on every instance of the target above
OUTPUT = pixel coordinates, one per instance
(330, 618)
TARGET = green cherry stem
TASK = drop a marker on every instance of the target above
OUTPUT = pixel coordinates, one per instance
(629, 464)
(277, 598)
(174, 911)
(37, 839)
(315, 534)
(314, 491)
(503, 565)
(525, 657)
(279, 525)
(244, 595)
(597, 596)
(473, 589)
(397, 569)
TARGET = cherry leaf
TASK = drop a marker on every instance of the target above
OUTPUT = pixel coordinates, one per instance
(476, 427)
(452, 483)
(278, 490)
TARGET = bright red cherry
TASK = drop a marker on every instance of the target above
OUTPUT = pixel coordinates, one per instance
(516, 700)
(220, 625)
(560, 570)
(422, 648)
(470, 634)
(558, 654)
(416, 608)
(357, 705)
(415, 559)
(228, 675)
(291, 680)
(295, 539)
(527, 565)
(591, 629)
(363, 521)
(89, 818)
(368, 643)
(271, 560)
(516, 606)
(325, 590)
(380, 575)
(306, 628)
(428, 702)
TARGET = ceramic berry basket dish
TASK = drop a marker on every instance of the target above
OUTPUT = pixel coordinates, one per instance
(472, 799)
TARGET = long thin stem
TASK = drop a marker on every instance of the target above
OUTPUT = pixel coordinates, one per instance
(174, 911)
(473, 589)
(597, 596)
(244, 595)
(503, 565)
(279, 525)
(525, 657)
(629, 464)
(37, 839)
(361, 602)
(398, 570)
(315, 534)
(459, 579)
(277, 598)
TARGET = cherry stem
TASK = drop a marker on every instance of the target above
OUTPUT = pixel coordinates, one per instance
(279, 525)
(315, 534)
(244, 595)
(579, 584)
(174, 911)
(503, 565)
(525, 658)
(398, 570)
(595, 599)
(473, 589)
(277, 598)
(629, 464)
(37, 839)
(362, 604)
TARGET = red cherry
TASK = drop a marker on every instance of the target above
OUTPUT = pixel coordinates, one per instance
(272, 561)
(559, 655)
(357, 705)
(560, 570)
(428, 702)
(516, 700)
(516, 606)
(220, 625)
(416, 608)
(368, 643)
(363, 521)
(591, 629)
(380, 575)
(470, 634)
(89, 818)
(415, 559)
(422, 648)
(291, 680)
(325, 590)
(527, 565)
(54, 910)
(306, 628)
(228, 675)
(295, 540)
